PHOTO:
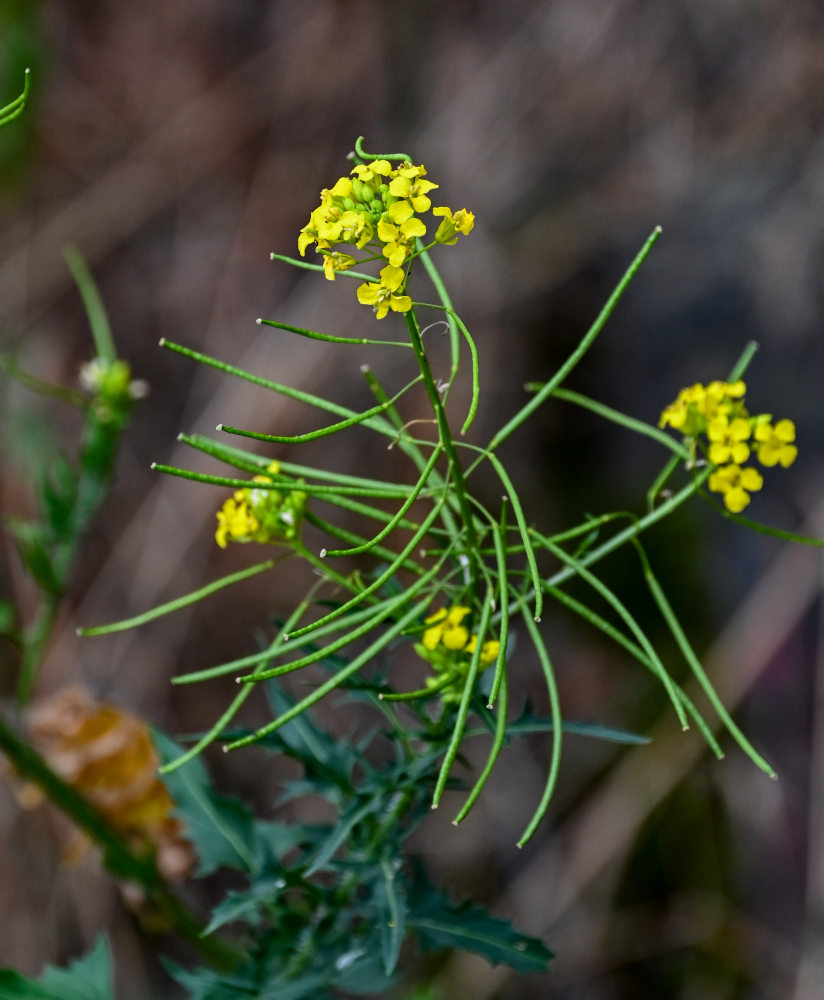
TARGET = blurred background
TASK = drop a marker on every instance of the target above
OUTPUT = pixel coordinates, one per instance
(177, 143)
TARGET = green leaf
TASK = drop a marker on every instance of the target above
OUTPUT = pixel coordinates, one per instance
(245, 905)
(88, 978)
(203, 984)
(440, 924)
(542, 724)
(58, 490)
(344, 827)
(221, 828)
(32, 545)
(391, 904)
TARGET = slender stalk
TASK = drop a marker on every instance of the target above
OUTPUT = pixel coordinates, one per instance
(93, 304)
(181, 602)
(557, 727)
(497, 744)
(463, 707)
(446, 438)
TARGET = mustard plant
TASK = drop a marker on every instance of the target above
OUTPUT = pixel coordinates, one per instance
(444, 572)
(329, 907)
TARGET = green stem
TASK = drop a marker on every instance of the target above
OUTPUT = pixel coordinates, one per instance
(446, 438)
(446, 302)
(93, 304)
(463, 707)
(16, 107)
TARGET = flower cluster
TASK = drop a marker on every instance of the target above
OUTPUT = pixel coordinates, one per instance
(377, 208)
(261, 515)
(717, 412)
(447, 644)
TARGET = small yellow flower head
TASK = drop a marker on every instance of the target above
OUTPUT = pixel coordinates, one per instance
(411, 192)
(378, 208)
(735, 484)
(697, 406)
(261, 515)
(374, 172)
(462, 221)
(382, 295)
(775, 447)
(728, 440)
(447, 644)
(717, 412)
(489, 650)
(336, 261)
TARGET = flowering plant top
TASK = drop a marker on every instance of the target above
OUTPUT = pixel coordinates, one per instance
(378, 209)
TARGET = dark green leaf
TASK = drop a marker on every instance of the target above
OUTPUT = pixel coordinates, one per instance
(246, 905)
(88, 978)
(305, 741)
(57, 495)
(390, 900)
(440, 924)
(203, 984)
(32, 545)
(346, 824)
(542, 724)
(221, 828)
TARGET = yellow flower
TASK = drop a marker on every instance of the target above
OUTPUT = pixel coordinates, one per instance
(412, 190)
(257, 515)
(447, 645)
(373, 294)
(446, 624)
(698, 405)
(489, 650)
(369, 172)
(775, 447)
(336, 261)
(727, 440)
(461, 222)
(382, 295)
(735, 484)
(355, 228)
(375, 207)
(235, 521)
(342, 188)
(399, 240)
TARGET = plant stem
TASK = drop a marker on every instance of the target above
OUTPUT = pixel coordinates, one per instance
(446, 438)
